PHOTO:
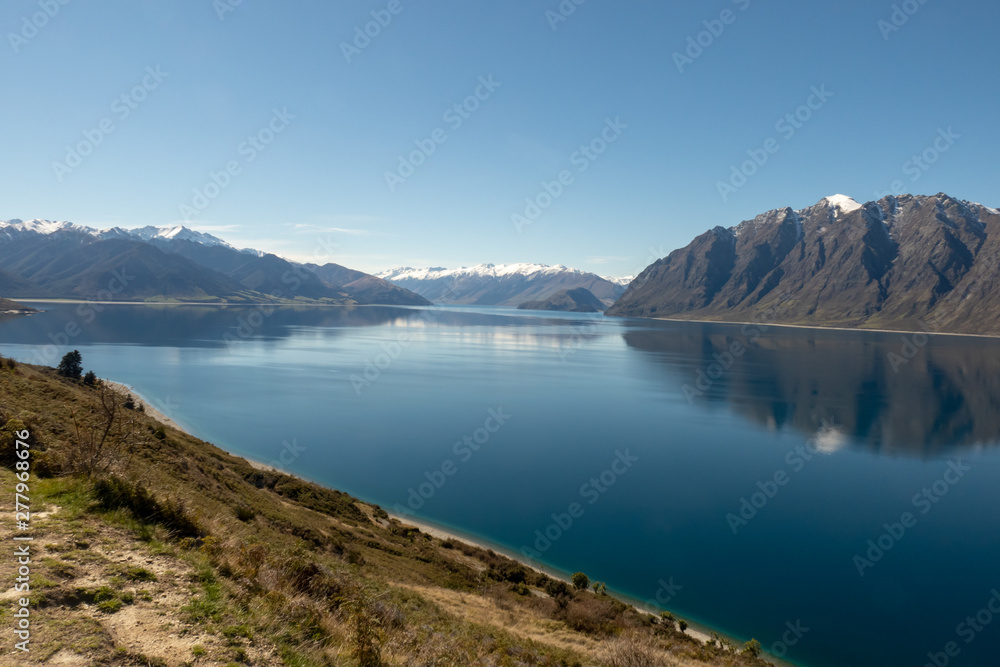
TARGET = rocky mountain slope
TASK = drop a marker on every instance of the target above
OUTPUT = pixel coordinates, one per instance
(908, 262)
(500, 284)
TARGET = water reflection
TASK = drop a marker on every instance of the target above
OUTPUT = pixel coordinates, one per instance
(895, 396)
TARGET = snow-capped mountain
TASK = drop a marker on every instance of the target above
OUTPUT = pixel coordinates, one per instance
(10, 228)
(907, 262)
(500, 284)
(45, 259)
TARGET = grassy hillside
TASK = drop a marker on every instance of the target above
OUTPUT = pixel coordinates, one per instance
(152, 547)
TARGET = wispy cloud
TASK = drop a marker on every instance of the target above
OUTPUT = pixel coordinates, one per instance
(607, 259)
(353, 231)
(198, 227)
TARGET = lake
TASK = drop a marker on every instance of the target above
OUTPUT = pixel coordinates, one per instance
(832, 493)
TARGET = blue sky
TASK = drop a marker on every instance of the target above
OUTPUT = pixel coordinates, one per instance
(345, 116)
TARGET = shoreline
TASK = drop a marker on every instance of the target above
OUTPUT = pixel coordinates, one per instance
(696, 630)
(222, 304)
(254, 304)
(816, 327)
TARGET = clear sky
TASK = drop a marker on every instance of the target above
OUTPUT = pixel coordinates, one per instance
(199, 79)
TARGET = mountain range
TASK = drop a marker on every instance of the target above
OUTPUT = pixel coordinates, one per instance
(502, 284)
(44, 259)
(913, 263)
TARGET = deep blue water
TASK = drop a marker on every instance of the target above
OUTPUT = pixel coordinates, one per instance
(854, 424)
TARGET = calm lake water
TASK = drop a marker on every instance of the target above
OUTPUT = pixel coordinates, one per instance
(500, 423)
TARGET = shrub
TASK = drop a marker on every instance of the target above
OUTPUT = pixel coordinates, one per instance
(508, 571)
(556, 588)
(581, 581)
(114, 493)
(139, 574)
(752, 648)
(244, 513)
(365, 637)
(90, 379)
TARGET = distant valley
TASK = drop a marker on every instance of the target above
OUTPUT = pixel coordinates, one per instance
(502, 284)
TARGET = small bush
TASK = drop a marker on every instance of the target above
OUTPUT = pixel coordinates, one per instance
(556, 588)
(244, 513)
(581, 581)
(139, 574)
(114, 493)
(110, 606)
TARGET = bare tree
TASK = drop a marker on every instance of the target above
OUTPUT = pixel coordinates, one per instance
(105, 434)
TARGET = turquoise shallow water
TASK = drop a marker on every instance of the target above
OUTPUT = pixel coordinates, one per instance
(733, 474)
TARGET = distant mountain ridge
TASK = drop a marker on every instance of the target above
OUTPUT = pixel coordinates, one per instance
(904, 262)
(501, 284)
(46, 259)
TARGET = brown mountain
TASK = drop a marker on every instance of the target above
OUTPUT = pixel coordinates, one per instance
(8, 306)
(907, 263)
(579, 300)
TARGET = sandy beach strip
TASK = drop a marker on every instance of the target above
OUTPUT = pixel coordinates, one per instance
(816, 327)
(147, 408)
